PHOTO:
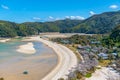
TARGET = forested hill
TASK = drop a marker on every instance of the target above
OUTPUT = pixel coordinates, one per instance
(101, 23)
(114, 38)
(11, 29)
(115, 35)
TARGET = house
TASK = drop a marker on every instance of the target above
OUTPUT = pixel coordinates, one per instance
(95, 42)
(65, 41)
(95, 49)
(114, 47)
(115, 54)
(84, 47)
(103, 55)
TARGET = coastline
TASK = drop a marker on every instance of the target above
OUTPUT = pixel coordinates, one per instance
(67, 60)
(26, 48)
(38, 65)
(104, 74)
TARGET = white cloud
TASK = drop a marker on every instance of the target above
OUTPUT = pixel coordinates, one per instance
(113, 6)
(75, 17)
(5, 7)
(50, 17)
(80, 18)
(67, 17)
(36, 18)
(92, 13)
(57, 19)
(72, 17)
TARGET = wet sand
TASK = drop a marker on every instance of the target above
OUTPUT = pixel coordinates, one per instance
(37, 68)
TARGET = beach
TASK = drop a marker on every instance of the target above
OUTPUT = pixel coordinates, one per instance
(105, 74)
(67, 60)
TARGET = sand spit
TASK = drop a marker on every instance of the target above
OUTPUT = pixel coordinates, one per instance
(27, 48)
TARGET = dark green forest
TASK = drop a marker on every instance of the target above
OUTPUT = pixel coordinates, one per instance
(114, 38)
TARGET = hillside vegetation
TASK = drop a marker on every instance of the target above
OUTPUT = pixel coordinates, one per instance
(102, 23)
(97, 24)
(114, 38)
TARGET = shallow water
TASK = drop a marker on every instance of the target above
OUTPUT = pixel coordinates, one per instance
(38, 64)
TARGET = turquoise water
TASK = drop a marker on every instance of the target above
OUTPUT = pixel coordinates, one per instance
(8, 50)
(38, 64)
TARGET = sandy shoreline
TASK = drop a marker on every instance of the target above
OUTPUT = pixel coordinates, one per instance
(26, 48)
(105, 74)
(67, 60)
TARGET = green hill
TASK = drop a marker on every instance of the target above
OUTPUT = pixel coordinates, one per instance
(115, 35)
(97, 24)
(113, 39)
(7, 29)
(102, 23)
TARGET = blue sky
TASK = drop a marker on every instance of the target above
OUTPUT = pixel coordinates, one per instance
(49, 10)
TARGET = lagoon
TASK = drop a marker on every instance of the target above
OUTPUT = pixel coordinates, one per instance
(13, 63)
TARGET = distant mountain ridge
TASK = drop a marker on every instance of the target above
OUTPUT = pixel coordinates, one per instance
(102, 23)
(96, 24)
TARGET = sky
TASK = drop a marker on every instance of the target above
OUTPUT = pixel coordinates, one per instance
(49, 10)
